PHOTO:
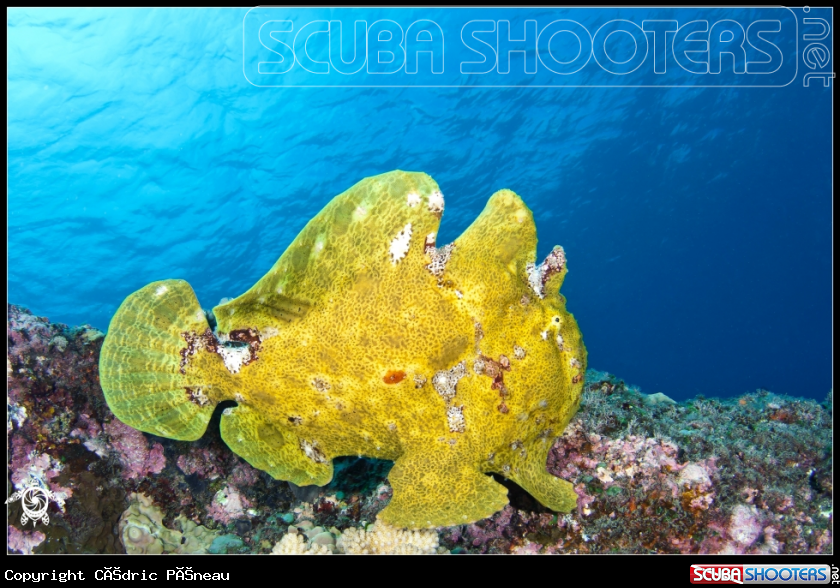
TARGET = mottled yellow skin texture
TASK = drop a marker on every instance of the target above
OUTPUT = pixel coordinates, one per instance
(352, 328)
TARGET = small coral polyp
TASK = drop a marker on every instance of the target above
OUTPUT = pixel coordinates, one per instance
(330, 352)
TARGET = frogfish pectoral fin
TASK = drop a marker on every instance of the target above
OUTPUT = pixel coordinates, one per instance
(551, 491)
(440, 489)
(281, 453)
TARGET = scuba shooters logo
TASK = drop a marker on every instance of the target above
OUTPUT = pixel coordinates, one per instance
(711, 574)
(512, 47)
(760, 574)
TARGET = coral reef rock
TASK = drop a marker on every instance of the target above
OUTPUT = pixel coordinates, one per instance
(751, 474)
(142, 531)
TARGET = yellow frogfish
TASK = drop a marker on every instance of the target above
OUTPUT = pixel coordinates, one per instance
(367, 338)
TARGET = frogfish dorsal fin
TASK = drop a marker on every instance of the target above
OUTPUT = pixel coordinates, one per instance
(490, 257)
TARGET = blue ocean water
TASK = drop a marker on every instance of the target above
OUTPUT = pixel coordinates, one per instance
(696, 221)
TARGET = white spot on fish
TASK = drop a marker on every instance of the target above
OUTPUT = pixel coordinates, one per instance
(455, 417)
(436, 202)
(310, 449)
(534, 279)
(234, 357)
(399, 246)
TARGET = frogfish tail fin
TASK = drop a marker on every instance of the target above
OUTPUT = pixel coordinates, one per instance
(153, 371)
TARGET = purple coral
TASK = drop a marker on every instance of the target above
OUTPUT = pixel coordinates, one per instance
(24, 541)
(199, 461)
(228, 505)
(244, 475)
(745, 526)
(490, 530)
(137, 458)
(30, 468)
